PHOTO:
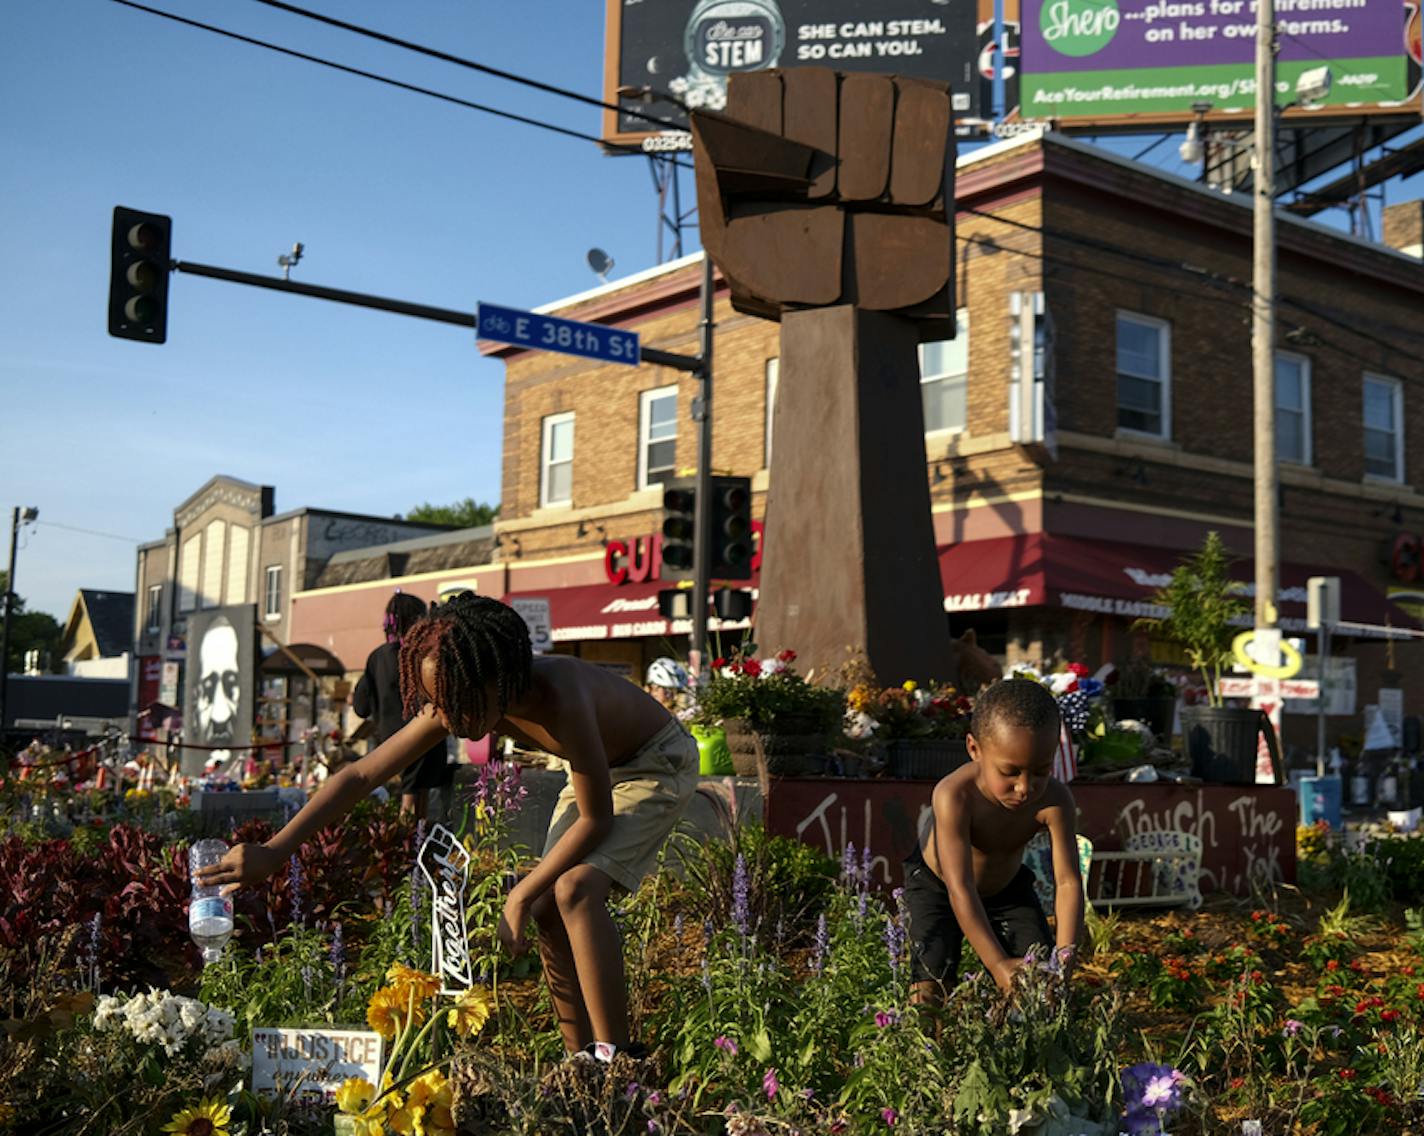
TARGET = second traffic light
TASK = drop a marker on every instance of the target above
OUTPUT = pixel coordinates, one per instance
(731, 528)
(138, 275)
(679, 528)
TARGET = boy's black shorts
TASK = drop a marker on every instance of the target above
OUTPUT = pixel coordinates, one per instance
(936, 939)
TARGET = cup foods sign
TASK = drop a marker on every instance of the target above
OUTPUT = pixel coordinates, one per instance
(690, 48)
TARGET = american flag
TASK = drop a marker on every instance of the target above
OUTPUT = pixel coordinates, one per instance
(1065, 759)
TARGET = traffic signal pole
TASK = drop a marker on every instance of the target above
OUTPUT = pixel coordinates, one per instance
(702, 517)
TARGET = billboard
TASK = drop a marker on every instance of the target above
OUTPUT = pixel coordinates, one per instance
(689, 48)
(217, 716)
(1115, 62)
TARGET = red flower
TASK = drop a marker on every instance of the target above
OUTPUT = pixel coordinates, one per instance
(1357, 966)
(1257, 916)
(718, 663)
(752, 667)
(1408, 971)
(1381, 1095)
(1188, 933)
(1388, 1015)
(1078, 669)
(1419, 990)
(1332, 965)
(1346, 1074)
(787, 656)
(1237, 1082)
(1257, 976)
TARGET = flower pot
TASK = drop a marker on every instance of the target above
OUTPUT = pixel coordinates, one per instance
(1221, 742)
(924, 759)
(1156, 712)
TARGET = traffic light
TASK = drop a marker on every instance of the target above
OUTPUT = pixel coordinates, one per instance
(679, 528)
(138, 275)
(732, 603)
(731, 528)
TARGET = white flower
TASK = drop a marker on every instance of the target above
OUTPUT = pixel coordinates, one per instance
(771, 667)
(1059, 683)
(860, 725)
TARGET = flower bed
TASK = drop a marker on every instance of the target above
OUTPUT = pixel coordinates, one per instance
(771, 985)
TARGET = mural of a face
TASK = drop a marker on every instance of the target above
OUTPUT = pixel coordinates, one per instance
(219, 685)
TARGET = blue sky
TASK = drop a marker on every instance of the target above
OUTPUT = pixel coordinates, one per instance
(392, 193)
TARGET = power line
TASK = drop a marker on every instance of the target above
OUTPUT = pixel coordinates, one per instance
(383, 79)
(483, 68)
(89, 532)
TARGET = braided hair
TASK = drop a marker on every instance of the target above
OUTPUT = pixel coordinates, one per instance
(402, 610)
(1014, 702)
(476, 642)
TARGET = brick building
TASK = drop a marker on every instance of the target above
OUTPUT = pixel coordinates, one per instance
(1061, 501)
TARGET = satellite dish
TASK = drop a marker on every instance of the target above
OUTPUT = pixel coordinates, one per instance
(600, 262)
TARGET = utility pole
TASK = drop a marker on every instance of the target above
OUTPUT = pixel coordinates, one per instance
(1263, 319)
(702, 515)
(16, 517)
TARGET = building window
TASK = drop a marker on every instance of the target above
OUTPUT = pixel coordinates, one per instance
(272, 595)
(1384, 438)
(154, 620)
(944, 379)
(188, 566)
(1293, 408)
(773, 376)
(1144, 375)
(657, 436)
(556, 462)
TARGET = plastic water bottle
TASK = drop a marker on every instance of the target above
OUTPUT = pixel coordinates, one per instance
(209, 913)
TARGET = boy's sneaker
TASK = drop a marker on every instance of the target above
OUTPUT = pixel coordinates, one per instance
(604, 1051)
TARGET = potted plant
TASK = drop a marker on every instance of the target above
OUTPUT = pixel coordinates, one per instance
(921, 727)
(1142, 694)
(1203, 605)
(766, 708)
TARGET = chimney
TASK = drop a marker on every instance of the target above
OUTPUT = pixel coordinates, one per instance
(1404, 227)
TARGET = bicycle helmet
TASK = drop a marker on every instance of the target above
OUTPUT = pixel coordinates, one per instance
(667, 672)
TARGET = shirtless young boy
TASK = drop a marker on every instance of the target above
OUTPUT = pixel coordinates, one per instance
(467, 669)
(968, 880)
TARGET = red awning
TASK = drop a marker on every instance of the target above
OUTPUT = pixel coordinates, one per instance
(613, 611)
(1120, 579)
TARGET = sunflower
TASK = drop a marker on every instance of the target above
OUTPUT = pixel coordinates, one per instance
(210, 1118)
(387, 1010)
(406, 978)
(472, 1010)
(355, 1095)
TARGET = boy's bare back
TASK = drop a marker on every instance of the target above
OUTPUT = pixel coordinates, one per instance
(569, 699)
(997, 835)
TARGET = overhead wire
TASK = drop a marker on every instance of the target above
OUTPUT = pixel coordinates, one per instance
(388, 81)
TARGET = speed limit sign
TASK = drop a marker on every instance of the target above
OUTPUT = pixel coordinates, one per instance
(535, 613)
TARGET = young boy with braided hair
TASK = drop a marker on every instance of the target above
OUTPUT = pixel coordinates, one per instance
(467, 669)
(967, 878)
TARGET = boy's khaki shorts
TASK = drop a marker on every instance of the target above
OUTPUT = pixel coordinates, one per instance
(651, 790)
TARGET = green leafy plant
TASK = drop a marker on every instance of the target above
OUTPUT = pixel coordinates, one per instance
(1203, 606)
(765, 691)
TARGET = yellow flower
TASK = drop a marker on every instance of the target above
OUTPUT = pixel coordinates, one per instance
(355, 1095)
(910, 685)
(471, 1011)
(386, 1012)
(210, 1118)
(403, 977)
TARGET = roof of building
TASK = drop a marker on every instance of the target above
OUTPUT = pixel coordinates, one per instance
(457, 548)
(111, 615)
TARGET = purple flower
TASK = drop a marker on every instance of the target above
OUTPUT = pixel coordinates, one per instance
(298, 881)
(808, 1094)
(884, 1019)
(866, 860)
(631, 1091)
(726, 1044)
(848, 861)
(655, 1098)
(652, 1126)
(895, 942)
(419, 835)
(822, 949)
(338, 953)
(1292, 1028)
(741, 906)
(1148, 1091)
(770, 1085)
(890, 1116)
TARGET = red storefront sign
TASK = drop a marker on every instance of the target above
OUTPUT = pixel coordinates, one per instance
(150, 677)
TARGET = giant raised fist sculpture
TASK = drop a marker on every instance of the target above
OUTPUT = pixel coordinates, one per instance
(816, 189)
(827, 202)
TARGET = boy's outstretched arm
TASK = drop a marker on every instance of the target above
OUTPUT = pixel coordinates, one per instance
(1060, 817)
(338, 795)
(956, 861)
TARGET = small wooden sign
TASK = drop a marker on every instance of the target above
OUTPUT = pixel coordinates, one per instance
(313, 1060)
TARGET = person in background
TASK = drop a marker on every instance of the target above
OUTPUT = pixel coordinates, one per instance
(667, 683)
(378, 698)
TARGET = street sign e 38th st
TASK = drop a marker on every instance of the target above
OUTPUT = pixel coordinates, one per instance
(548, 333)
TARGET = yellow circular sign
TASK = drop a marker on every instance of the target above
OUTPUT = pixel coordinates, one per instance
(1289, 668)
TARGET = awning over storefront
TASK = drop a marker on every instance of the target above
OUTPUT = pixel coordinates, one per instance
(608, 611)
(1119, 579)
